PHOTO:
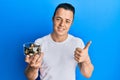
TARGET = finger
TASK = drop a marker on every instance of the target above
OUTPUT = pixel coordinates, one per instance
(36, 66)
(38, 62)
(40, 57)
(77, 54)
(36, 56)
(27, 58)
(88, 45)
(79, 50)
(80, 59)
(42, 54)
(76, 58)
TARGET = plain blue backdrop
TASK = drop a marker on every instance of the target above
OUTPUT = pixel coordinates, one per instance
(26, 20)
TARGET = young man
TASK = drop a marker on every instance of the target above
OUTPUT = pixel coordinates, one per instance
(60, 51)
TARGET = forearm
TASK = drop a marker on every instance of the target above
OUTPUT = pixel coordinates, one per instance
(86, 68)
(31, 73)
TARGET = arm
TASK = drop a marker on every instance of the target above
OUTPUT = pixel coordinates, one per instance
(34, 63)
(84, 62)
(31, 73)
(86, 68)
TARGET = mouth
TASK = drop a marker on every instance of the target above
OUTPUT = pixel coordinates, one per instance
(60, 30)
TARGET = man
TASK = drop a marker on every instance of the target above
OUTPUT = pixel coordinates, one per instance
(60, 51)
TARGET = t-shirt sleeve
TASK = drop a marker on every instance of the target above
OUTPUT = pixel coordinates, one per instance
(38, 41)
(80, 43)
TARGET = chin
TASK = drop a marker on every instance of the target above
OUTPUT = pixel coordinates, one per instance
(61, 34)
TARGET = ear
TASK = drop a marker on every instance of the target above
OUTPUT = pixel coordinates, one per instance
(72, 22)
(52, 18)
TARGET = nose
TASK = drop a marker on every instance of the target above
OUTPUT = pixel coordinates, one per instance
(62, 23)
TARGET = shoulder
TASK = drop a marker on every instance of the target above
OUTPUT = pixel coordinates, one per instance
(78, 41)
(74, 38)
(42, 39)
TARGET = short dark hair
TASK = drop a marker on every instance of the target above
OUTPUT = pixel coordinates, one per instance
(66, 6)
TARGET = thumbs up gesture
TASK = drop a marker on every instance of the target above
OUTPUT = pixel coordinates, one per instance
(81, 55)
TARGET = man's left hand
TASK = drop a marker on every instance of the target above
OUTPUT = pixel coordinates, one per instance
(81, 55)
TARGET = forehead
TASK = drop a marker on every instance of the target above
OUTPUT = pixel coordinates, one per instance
(63, 13)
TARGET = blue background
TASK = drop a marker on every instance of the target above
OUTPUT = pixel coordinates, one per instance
(26, 20)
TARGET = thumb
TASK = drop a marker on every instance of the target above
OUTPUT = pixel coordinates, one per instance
(88, 45)
(27, 59)
(41, 54)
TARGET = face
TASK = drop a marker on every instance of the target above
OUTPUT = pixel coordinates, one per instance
(62, 21)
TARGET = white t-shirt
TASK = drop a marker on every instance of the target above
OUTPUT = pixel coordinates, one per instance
(58, 61)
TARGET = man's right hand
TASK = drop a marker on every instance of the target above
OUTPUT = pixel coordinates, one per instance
(35, 60)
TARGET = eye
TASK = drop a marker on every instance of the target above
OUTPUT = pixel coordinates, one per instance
(68, 21)
(58, 19)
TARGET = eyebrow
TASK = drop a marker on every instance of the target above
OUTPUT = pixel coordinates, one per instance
(61, 18)
(57, 17)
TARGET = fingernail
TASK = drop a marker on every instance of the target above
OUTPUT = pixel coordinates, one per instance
(90, 41)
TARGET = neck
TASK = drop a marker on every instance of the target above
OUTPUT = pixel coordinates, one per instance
(59, 38)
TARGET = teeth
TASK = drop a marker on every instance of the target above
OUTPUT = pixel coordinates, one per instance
(60, 29)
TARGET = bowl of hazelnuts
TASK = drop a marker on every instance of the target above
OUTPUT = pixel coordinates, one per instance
(31, 48)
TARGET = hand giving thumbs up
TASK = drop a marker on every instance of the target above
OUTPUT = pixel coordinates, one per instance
(81, 55)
